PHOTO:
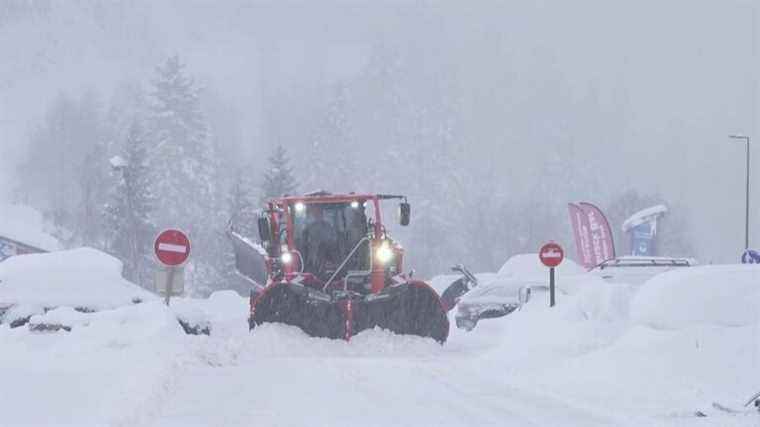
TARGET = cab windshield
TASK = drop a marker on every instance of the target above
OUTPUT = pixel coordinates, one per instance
(325, 234)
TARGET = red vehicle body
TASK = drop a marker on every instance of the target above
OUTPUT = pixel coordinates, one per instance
(333, 272)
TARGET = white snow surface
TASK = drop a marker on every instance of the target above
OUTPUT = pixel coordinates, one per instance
(606, 355)
(720, 295)
(26, 225)
(529, 265)
(63, 316)
(82, 277)
(116, 370)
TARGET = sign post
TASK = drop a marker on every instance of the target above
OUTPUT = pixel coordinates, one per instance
(551, 255)
(172, 248)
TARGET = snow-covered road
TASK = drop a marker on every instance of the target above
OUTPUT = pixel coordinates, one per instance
(346, 384)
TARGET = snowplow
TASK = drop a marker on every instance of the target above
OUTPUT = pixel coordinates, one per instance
(333, 270)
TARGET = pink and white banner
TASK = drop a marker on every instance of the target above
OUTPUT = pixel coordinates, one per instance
(602, 246)
(582, 233)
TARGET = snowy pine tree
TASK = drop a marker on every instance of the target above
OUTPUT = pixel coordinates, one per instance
(278, 178)
(129, 229)
(243, 203)
(184, 166)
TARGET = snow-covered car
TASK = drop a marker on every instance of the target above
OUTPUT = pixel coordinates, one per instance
(510, 288)
(84, 279)
(497, 299)
(636, 270)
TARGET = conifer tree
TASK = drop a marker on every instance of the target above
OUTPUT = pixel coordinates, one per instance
(278, 178)
(243, 203)
(184, 166)
(129, 228)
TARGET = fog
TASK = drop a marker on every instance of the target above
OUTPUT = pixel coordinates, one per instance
(546, 101)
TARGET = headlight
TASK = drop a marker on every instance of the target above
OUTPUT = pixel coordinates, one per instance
(355, 204)
(286, 257)
(300, 207)
(384, 253)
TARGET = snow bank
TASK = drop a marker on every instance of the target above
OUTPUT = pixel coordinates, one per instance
(115, 368)
(277, 340)
(17, 315)
(659, 351)
(65, 317)
(600, 301)
(223, 312)
(725, 295)
(82, 277)
(24, 224)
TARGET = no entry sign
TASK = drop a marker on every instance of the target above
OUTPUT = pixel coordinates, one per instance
(551, 254)
(172, 247)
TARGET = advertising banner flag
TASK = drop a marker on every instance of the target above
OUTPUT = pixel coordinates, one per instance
(603, 247)
(582, 234)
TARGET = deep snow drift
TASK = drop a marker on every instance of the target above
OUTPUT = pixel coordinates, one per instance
(608, 354)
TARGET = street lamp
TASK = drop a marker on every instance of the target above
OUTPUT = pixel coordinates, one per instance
(746, 213)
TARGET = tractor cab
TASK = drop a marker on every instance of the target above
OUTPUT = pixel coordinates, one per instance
(326, 233)
(331, 241)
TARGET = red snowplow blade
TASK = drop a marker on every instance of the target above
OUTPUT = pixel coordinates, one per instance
(411, 308)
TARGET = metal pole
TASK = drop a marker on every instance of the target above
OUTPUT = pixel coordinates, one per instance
(551, 287)
(169, 282)
(746, 140)
(746, 213)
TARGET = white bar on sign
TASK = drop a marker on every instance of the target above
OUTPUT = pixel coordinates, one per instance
(550, 254)
(168, 247)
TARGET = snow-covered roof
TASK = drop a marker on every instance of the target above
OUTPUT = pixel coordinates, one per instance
(643, 216)
(25, 225)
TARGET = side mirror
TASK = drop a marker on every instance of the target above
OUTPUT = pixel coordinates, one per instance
(405, 213)
(264, 230)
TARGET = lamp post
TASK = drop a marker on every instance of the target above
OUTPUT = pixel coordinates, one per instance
(746, 205)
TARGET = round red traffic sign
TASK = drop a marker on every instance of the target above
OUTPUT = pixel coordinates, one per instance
(172, 247)
(551, 254)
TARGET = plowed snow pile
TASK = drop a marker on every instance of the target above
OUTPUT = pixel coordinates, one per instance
(692, 338)
(114, 367)
(720, 295)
